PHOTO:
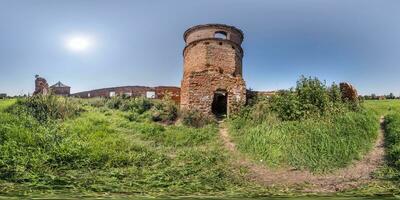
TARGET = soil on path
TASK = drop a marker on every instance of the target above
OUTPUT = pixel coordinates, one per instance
(352, 176)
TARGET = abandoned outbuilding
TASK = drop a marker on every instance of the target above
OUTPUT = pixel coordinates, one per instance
(60, 89)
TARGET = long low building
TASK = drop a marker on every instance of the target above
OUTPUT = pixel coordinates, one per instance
(158, 92)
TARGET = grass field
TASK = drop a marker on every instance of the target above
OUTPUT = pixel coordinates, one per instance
(383, 107)
(318, 145)
(95, 145)
(108, 150)
(6, 103)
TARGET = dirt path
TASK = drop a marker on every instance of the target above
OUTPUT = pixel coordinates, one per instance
(350, 177)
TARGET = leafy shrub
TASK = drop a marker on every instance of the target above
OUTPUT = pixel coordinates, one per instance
(96, 102)
(139, 105)
(335, 94)
(195, 118)
(164, 111)
(287, 106)
(114, 102)
(311, 98)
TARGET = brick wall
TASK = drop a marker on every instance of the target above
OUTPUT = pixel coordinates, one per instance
(133, 91)
(173, 92)
(211, 65)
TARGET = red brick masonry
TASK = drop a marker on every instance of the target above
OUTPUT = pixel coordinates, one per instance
(134, 91)
(212, 65)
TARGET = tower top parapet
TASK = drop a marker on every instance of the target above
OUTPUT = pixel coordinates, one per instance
(209, 31)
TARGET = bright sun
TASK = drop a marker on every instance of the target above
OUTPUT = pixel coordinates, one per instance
(79, 43)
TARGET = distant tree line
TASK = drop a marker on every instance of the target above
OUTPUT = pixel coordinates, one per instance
(5, 96)
(379, 97)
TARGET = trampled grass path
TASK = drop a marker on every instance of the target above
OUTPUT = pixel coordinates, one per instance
(354, 175)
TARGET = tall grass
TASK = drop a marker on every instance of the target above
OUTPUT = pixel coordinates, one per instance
(393, 139)
(47, 107)
(318, 145)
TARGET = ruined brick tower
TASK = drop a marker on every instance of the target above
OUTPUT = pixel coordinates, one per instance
(41, 86)
(212, 79)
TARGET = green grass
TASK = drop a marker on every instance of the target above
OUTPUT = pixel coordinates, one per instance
(383, 107)
(318, 145)
(106, 150)
(102, 150)
(4, 104)
(392, 130)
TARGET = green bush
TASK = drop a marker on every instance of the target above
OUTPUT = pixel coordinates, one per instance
(165, 111)
(194, 118)
(310, 98)
(287, 106)
(95, 102)
(139, 105)
(114, 102)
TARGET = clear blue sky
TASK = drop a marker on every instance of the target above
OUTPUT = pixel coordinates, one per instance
(140, 42)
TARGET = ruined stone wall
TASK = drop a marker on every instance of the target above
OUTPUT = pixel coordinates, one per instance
(210, 65)
(134, 91)
(200, 87)
(349, 93)
(41, 86)
(251, 94)
(173, 92)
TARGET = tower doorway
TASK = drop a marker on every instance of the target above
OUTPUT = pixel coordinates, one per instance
(220, 103)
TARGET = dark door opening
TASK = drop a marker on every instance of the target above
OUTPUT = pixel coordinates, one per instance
(220, 102)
